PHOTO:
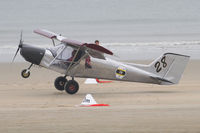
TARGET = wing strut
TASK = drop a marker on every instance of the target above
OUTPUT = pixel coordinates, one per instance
(63, 48)
(70, 65)
(53, 42)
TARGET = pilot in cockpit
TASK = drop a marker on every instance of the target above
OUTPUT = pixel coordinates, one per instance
(72, 56)
(67, 53)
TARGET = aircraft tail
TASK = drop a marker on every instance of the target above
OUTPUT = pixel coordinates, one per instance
(167, 69)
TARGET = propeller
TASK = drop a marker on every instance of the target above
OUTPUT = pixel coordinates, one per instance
(19, 46)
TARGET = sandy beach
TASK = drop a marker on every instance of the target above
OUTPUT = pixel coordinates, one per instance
(132, 30)
(34, 105)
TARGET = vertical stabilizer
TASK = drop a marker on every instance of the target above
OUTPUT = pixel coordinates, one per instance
(169, 68)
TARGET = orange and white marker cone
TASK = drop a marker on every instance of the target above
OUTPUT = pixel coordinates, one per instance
(98, 81)
(90, 81)
(95, 81)
(89, 101)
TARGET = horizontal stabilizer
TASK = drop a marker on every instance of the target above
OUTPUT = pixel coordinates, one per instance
(161, 80)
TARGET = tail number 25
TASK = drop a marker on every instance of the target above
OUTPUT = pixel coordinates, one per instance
(160, 64)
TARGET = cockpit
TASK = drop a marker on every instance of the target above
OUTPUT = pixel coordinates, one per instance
(64, 53)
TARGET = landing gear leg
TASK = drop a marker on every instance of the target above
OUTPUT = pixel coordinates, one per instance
(71, 87)
(26, 72)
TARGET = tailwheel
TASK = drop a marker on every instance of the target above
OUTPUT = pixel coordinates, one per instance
(25, 73)
(59, 83)
(71, 87)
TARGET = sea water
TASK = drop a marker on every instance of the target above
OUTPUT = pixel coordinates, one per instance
(132, 29)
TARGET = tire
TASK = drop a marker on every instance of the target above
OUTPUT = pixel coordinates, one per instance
(59, 83)
(71, 87)
(24, 74)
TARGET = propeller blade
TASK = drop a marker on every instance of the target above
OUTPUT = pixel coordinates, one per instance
(15, 54)
(21, 41)
(19, 46)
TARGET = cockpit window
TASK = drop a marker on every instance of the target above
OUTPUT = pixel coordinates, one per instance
(64, 52)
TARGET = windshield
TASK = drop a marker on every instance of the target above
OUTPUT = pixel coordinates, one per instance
(64, 52)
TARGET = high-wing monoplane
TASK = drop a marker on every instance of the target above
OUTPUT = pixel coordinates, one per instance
(86, 60)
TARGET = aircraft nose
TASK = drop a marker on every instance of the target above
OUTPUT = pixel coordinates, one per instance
(32, 54)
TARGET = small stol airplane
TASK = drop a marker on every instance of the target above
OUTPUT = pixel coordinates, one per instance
(86, 60)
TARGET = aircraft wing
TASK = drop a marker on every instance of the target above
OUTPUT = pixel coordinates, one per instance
(72, 43)
(49, 34)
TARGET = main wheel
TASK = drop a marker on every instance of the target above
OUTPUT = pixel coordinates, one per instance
(25, 74)
(59, 83)
(71, 87)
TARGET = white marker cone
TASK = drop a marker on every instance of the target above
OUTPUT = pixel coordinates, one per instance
(89, 101)
(90, 81)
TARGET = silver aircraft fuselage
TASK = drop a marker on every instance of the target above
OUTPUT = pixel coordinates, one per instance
(102, 69)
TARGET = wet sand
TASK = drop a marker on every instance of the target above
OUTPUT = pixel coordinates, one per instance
(34, 105)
